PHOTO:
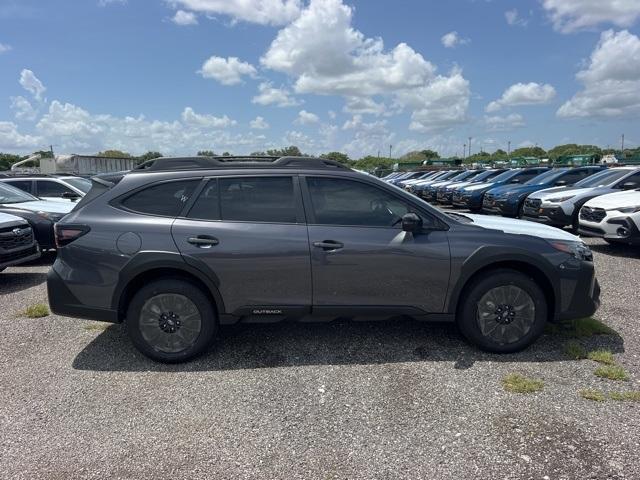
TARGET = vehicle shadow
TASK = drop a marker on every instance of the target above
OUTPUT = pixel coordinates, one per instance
(337, 343)
(11, 282)
(622, 251)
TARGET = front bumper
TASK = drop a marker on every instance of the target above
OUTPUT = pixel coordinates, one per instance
(616, 229)
(554, 216)
(63, 302)
(500, 207)
(579, 291)
(445, 197)
(7, 259)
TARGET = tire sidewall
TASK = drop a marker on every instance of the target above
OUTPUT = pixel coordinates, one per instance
(178, 286)
(467, 314)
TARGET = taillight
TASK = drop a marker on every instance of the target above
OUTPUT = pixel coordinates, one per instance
(65, 234)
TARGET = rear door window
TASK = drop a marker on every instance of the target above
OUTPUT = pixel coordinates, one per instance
(24, 185)
(164, 199)
(51, 188)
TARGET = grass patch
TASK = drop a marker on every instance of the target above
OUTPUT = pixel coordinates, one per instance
(611, 372)
(594, 395)
(602, 356)
(581, 327)
(38, 310)
(633, 396)
(516, 383)
(99, 327)
(575, 350)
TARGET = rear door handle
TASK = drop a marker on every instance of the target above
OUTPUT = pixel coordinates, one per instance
(328, 245)
(203, 241)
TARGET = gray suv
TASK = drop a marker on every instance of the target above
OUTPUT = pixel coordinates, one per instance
(180, 246)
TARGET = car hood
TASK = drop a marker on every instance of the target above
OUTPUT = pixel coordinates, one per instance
(559, 192)
(630, 198)
(477, 186)
(507, 189)
(44, 206)
(457, 185)
(521, 227)
(8, 220)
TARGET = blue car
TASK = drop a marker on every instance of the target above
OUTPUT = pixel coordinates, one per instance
(430, 194)
(508, 200)
(420, 188)
(471, 196)
(445, 194)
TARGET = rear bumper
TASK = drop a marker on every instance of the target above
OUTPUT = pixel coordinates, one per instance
(63, 302)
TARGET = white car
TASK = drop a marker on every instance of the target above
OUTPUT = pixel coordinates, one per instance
(17, 242)
(559, 206)
(62, 188)
(614, 217)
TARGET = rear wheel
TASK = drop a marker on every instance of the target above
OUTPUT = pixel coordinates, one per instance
(504, 311)
(171, 320)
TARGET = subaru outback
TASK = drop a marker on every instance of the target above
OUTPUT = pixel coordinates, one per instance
(180, 246)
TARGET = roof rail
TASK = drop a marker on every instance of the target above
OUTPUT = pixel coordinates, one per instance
(198, 163)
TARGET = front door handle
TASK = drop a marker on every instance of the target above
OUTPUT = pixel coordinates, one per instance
(328, 245)
(203, 241)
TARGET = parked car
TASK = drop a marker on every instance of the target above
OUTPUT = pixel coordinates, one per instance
(420, 187)
(407, 176)
(430, 194)
(424, 176)
(189, 244)
(67, 188)
(508, 200)
(559, 206)
(614, 217)
(472, 195)
(17, 242)
(445, 194)
(41, 214)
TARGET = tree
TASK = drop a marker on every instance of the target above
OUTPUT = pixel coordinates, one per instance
(226, 154)
(149, 156)
(8, 159)
(573, 149)
(206, 153)
(291, 151)
(337, 157)
(370, 163)
(529, 152)
(113, 154)
(428, 154)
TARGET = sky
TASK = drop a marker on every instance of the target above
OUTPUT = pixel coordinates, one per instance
(356, 76)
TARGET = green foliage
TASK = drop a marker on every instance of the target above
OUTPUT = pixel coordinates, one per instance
(611, 372)
(37, 311)
(575, 350)
(113, 154)
(337, 157)
(206, 153)
(633, 396)
(529, 152)
(291, 151)
(226, 154)
(602, 356)
(516, 383)
(573, 149)
(149, 156)
(370, 163)
(430, 154)
(595, 395)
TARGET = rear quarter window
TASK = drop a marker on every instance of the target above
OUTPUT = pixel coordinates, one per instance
(165, 199)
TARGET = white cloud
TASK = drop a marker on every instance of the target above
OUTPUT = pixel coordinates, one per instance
(514, 19)
(189, 117)
(503, 124)
(32, 84)
(11, 139)
(228, 71)
(452, 40)
(304, 142)
(4, 47)
(269, 95)
(328, 56)
(611, 80)
(523, 94)
(332, 114)
(259, 123)
(264, 12)
(183, 18)
(572, 15)
(441, 104)
(363, 105)
(104, 3)
(23, 108)
(356, 123)
(306, 118)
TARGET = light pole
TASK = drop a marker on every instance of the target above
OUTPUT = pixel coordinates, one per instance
(464, 151)
(390, 151)
(470, 138)
(509, 149)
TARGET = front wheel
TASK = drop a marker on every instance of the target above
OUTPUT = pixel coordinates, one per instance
(504, 311)
(171, 320)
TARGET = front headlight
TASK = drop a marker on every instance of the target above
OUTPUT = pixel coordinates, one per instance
(578, 250)
(628, 209)
(560, 199)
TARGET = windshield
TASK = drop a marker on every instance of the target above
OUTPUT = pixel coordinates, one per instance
(80, 183)
(602, 179)
(485, 176)
(505, 175)
(463, 175)
(9, 194)
(546, 177)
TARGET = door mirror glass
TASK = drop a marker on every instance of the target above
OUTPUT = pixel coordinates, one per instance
(515, 180)
(629, 185)
(411, 222)
(70, 195)
(561, 183)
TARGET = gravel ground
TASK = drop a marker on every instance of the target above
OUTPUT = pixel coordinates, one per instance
(396, 399)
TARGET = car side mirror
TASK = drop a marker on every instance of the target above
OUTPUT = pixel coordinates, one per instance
(629, 186)
(561, 183)
(70, 195)
(515, 180)
(411, 222)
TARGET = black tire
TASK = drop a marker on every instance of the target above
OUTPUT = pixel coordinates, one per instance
(139, 324)
(468, 317)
